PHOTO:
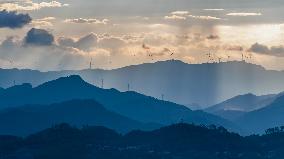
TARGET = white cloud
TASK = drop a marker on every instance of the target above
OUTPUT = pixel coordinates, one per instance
(43, 22)
(204, 17)
(180, 13)
(216, 9)
(88, 21)
(47, 19)
(175, 17)
(29, 5)
(244, 14)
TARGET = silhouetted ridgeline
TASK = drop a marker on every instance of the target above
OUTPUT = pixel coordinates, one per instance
(203, 84)
(181, 141)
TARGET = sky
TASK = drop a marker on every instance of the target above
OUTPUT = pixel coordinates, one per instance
(71, 34)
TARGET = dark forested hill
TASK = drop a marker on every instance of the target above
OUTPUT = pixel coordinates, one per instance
(181, 141)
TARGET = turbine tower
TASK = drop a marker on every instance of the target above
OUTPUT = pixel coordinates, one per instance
(163, 97)
(102, 84)
(90, 67)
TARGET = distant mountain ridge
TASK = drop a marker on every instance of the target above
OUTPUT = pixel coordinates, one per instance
(203, 84)
(233, 108)
(264, 118)
(129, 104)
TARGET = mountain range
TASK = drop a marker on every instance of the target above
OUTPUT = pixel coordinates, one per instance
(194, 85)
(129, 104)
(248, 113)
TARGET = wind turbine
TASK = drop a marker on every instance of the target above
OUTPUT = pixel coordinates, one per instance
(209, 56)
(219, 59)
(128, 87)
(102, 84)
(90, 67)
(229, 57)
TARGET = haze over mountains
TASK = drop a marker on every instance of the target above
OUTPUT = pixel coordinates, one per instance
(29, 119)
(254, 114)
(187, 84)
(233, 108)
(259, 120)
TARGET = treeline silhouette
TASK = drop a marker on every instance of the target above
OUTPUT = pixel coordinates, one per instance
(182, 141)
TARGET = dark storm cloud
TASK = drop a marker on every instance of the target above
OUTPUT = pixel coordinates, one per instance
(13, 19)
(263, 49)
(39, 37)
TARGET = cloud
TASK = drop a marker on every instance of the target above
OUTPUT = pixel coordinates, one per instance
(204, 17)
(39, 37)
(212, 37)
(216, 9)
(244, 14)
(10, 42)
(183, 15)
(233, 48)
(86, 43)
(175, 17)
(43, 22)
(88, 21)
(13, 19)
(180, 13)
(47, 19)
(44, 58)
(29, 5)
(112, 44)
(15, 53)
(263, 49)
